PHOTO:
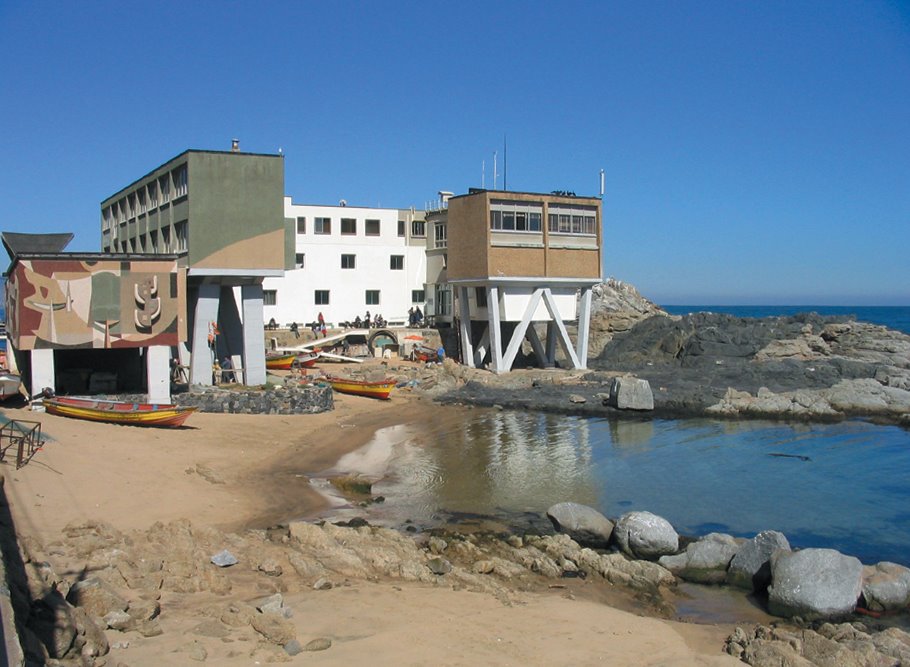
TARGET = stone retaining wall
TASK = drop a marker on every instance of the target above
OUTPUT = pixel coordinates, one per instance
(271, 401)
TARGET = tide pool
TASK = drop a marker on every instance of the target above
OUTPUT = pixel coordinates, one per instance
(845, 485)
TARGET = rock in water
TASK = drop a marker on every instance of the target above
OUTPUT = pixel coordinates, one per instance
(645, 535)
(814, 583)
(704, 561)
(583, 524)
(886, 586)
(751, 566)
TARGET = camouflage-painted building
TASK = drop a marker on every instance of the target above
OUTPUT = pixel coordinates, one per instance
(222, 214)
(90, 322)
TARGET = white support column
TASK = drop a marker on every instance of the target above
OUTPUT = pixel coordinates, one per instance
(584, 326)
(495, 329)
(519, 334)
(537, 346)
(481, 351)
(42, 371)
(464, 326)
(206, 313)
(253, 340)
(231, 340)
(551, 343)
(564, 340)
(157, 370)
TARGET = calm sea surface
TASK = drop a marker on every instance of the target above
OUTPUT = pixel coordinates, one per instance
(845, 486)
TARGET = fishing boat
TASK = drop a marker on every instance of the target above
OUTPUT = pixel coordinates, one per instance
(280, 362)
(380, 389)
(119, 412)
(285, 361)
(9, 385)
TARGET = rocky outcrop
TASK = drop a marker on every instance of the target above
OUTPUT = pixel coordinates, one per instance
(704, 561)
(583, 524)
(615, 308)
(825, 645)
(273, 401)
(814, 583)
(645, 535)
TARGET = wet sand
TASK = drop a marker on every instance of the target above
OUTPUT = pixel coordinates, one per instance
(234, 472)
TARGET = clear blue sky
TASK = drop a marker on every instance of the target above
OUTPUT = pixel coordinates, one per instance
(755, 152)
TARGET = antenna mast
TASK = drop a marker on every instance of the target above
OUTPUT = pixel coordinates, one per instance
(602, 183)
(505, 163)
(494, 170)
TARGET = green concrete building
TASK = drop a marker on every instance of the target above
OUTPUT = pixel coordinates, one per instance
(222, 213)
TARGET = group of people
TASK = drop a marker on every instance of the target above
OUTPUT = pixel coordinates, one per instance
(415, 317)
(318, 327)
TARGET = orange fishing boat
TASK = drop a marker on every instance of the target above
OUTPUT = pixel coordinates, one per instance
(163, 415)
(380, 389)
(289, 360)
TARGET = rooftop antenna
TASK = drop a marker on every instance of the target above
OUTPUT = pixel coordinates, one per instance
(494, 170)
(483, 174)
(602, 183)
(505, 163)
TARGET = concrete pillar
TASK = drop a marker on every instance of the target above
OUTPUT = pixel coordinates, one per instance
(205, 313)
(230, 342)
(584, 326)
(157, 368)
(495, 330)
(42, 371)
(464, 327)
(253, 339)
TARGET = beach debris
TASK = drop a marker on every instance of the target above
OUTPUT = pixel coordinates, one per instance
(224, 558)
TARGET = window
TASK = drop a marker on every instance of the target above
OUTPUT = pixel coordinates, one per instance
(301, 225)
(153, 241)
(322, 225)
(371, 227)
(440, 230)
(348, 261)
(153, 194)
(480, 296)
(396, 262)
(180, 181)
(515, 216)
(348, 226)
(180, 233)
(299, 260)
(372, 297)
(419, 228)
(166, 239)
(401, 227)
(418, 296)
(321, 297)
(269, 297)
(164, 184)
(578, 220)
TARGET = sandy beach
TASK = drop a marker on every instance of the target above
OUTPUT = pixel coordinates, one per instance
(239, 472)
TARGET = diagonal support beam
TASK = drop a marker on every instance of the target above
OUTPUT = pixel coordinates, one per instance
(464, 327)
(495, 329)
(519, 334)
(482, 346)
(563, 337)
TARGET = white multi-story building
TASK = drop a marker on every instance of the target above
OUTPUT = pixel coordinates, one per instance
(349, 260)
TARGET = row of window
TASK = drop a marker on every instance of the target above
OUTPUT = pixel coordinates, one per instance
(323, 297)
(526, 217)
(572, 220)
(396, 262)
(147, 197)
(152, 242)
(348, 226)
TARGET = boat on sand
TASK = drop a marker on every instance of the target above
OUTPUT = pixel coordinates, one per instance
(380, 389)
(289, 360)
(163, 415)
(9, 385)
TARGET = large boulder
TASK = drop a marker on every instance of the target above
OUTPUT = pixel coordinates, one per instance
(583, 524)
(814, 583)
(751, 566)
(886, 586)
(645, 535)
(704, 561)
(628, 393)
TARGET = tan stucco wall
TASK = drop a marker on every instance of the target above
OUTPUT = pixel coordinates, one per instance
(469, 229)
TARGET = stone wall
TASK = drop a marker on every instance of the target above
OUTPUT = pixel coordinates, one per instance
(271, 401)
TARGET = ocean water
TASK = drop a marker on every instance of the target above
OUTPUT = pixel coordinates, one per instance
(844, 485)
(893, 317)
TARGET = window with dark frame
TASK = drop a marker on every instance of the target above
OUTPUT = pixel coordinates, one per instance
(269, 297)
(419, 228)
(322, 225)
(396, 262)
(371, 227)
(299, 260)
(480, 296)
(348, 261)
(301, 225)
(321, 297)
(401, 227)
(418, 296)
(372, 297)
(348, 226)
